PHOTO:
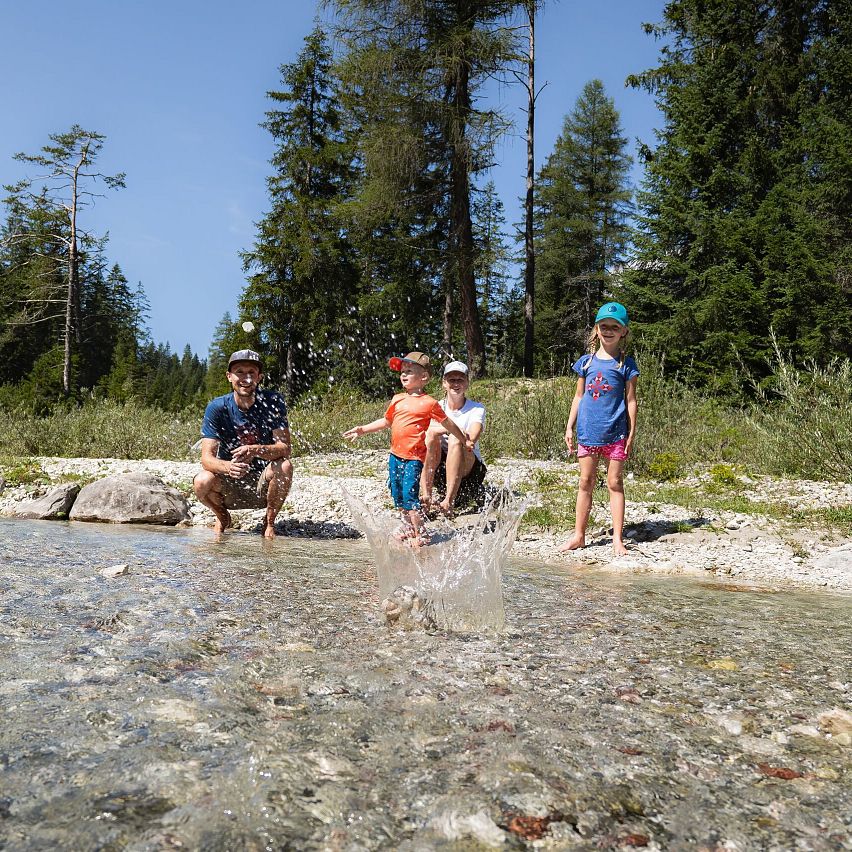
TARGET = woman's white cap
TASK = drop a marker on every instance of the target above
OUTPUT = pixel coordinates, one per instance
(455, 367)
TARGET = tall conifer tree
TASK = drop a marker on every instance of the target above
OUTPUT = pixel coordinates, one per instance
(421, 65)
(747, 209)
(69, 176)
(583, 206)
(303, 277)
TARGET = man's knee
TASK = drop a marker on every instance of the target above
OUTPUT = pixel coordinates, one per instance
(281, 470)
(204, 482)
(433, 439)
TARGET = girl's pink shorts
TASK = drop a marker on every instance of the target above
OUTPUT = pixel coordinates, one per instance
(615, 451)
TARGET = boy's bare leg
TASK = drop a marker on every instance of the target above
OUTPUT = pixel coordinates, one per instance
(459, 464)
(280, 476)
(405, 529)
(585, 490)
(615, 484)
(430, 464)
(208, 489)
(415, 519)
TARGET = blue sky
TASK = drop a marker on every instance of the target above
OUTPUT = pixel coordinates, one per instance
(178, 87)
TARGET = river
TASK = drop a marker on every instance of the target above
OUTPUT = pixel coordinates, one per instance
(237, 694)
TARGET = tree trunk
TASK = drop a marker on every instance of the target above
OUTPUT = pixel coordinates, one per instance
(72, 294)
(290, 368)
(447, 342)
(529, 247)
(461, 228)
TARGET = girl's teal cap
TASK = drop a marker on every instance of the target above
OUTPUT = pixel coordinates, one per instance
(612, 311)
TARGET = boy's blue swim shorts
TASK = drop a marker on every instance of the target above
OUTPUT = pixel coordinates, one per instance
(404, 481)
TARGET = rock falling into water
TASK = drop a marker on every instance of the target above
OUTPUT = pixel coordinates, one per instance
(406, 608)
(457, 579)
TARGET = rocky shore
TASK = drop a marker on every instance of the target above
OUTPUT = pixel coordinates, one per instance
(736, 548)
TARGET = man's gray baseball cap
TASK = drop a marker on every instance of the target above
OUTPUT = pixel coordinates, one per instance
(245, 355)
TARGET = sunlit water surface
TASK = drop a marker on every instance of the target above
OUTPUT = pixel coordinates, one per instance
(240, 695)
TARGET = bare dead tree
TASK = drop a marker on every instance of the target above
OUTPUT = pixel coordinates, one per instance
(69, 162)
(530, 7)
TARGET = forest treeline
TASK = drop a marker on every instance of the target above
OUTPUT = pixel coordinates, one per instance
(383, 232)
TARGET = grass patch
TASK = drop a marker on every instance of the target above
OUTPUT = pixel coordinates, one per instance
(22, 471)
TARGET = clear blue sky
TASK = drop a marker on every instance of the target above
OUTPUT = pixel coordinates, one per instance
(178, 87)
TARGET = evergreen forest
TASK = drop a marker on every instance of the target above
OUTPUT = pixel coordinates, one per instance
(384, 233)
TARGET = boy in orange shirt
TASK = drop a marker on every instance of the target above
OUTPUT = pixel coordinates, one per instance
(408, 417)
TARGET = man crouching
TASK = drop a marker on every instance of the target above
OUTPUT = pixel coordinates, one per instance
(245, 447)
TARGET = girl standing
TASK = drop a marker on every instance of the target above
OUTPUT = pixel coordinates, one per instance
(604, 412)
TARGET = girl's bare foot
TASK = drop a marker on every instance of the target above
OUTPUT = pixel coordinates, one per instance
(222, 522)
(574, 543)
(618, 548)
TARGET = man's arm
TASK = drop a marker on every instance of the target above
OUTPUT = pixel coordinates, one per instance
(280, 448)
(222, 467)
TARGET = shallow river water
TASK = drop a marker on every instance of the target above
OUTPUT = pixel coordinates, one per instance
(239, 695)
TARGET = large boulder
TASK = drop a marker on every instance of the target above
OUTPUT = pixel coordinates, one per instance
(53, 506)
(131, 498)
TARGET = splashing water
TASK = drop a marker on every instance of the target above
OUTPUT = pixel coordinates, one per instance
(456, 580)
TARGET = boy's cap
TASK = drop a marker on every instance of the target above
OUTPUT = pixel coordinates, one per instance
(456, 367)
(612, 311)
(415, 358)
(245, 355)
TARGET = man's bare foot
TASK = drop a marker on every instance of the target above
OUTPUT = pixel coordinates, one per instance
(268, 528)
(574, 543)
(618, 548)
(222, 522)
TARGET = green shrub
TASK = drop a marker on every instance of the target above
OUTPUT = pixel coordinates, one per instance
(317, 424)
(526, 418)
(666, 467)
(723, 474)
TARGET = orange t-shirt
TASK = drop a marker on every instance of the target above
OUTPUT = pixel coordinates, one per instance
(409, 416)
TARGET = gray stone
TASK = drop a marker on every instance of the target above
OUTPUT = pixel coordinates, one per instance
(2, 484)
(839, 559)
(53, 506)
(133, 498)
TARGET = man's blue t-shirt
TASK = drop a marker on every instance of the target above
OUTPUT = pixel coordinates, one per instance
(602, 418)
(232, 427)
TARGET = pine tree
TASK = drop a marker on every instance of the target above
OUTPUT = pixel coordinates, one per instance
(583, 205)
(491, 267)
(420, 66)
(746, 204)
(303, 277)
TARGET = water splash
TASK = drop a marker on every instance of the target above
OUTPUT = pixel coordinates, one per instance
(457, 578)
